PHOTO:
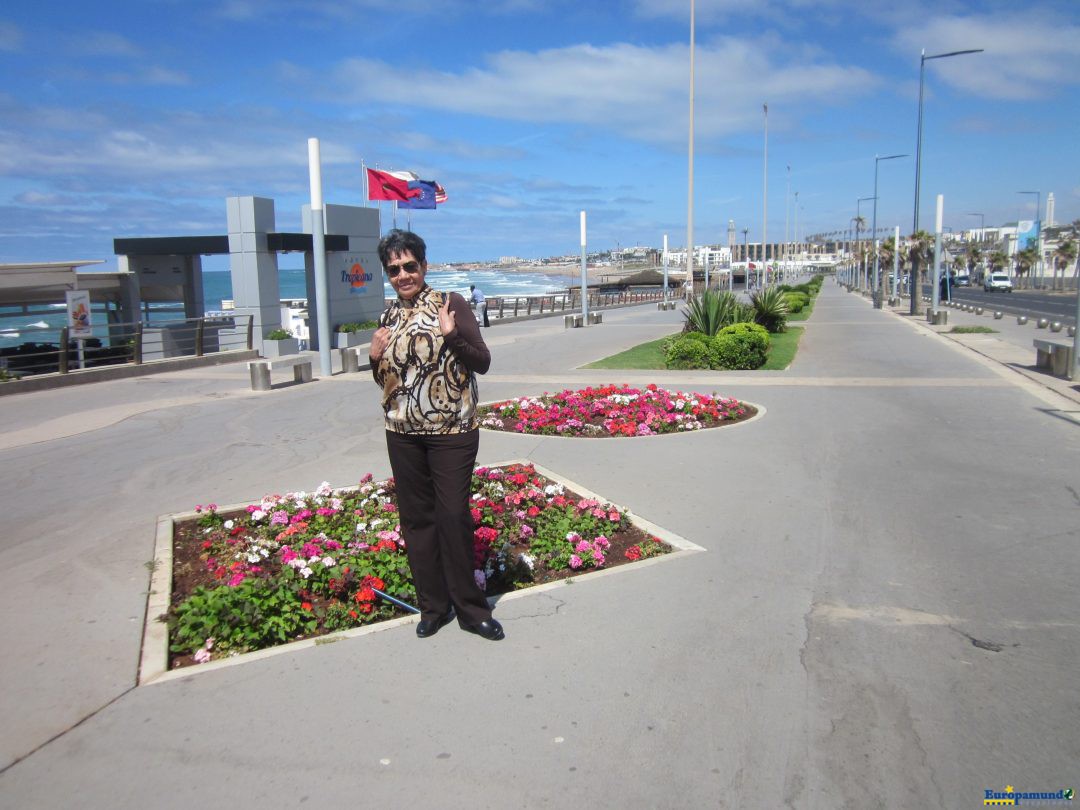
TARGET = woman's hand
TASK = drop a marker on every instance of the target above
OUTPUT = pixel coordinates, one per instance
(447, 319)
(379, 341)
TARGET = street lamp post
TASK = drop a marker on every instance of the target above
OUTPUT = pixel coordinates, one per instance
(689, 289)
(1038, 229)
(765, 207)
(982, 219)
(796, 246)
(918, 146)
(879, 293)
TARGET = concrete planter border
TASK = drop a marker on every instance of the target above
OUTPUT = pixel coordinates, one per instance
(154, 660)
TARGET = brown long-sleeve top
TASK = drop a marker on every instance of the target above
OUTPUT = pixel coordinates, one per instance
(428, 379)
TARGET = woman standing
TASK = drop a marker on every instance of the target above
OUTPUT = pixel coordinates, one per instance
(425, 356)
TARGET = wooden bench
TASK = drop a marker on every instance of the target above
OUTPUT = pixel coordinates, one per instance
(260, 369)
(1053, 355)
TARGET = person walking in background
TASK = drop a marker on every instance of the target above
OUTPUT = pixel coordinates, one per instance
(478, 299)
(425, 356)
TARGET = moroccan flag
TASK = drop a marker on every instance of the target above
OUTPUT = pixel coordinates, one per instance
(426, 199)
(384, 186)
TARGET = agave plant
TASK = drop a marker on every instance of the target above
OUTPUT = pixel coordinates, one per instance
(712, 311)
(770, 309)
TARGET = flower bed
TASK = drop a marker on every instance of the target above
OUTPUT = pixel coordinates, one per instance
(304, 564)
(613, 411)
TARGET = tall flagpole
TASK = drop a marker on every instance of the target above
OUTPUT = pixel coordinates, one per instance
(765, 208)
(363, 183)
(688, 292)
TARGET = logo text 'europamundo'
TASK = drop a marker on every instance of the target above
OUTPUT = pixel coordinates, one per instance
(357, 278)
(1012, 797)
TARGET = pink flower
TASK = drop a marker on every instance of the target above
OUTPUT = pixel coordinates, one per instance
(279, 518)
(598, 556)
(202, 655)
(583, 547)
(575, 561)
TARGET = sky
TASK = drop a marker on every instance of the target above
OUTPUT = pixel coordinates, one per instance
(123, 119)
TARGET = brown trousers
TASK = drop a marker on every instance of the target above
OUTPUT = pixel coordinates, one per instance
(433, 475)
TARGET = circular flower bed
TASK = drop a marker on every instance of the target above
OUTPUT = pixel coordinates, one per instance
(304, 564)
(613, 410)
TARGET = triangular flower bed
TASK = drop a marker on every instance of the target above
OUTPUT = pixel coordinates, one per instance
(232, 580)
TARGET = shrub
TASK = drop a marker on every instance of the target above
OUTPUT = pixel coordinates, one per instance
(796, 301)
(712, 311)
(770, 309)
(687, 352)
(279, 334)
(740, 346)
(357, 327)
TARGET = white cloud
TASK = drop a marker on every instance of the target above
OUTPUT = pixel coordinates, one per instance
(103, 43)
(156, 76)
(1026, 56)
(634, 90)
(11, 37)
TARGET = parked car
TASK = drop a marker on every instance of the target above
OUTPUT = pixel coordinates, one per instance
(962, 281)
(997, 281)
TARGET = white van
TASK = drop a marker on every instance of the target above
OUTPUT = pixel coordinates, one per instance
(997, 281)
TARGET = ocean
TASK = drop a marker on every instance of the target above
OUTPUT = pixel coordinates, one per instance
(43, 327)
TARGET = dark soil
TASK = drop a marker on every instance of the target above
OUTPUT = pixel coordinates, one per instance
(190, 570)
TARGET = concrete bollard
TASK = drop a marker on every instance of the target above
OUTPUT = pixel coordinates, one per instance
(1055, 326)
(1042, 323)
(1021, 319)
(998, 315)
(978, 310)
(572, 321)
(1071, 331)
(596, 317)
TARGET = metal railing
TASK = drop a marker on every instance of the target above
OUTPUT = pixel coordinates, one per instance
(50, 350)
(513, 306)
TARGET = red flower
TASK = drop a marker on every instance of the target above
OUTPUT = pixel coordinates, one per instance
(633, 553)
(306, 605)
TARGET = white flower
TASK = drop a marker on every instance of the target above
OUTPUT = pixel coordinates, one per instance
(361, 527)
(306, 572)
(258, 514)
(324, 489)
(377, 522)
(253, 558)
(328, 562)
(528, 559)
(228, 524)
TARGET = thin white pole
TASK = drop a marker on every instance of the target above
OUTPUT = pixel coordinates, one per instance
(584, 282)
(896, 264)
(765, 207)
(935, 294)
(665, 269)
(688, 290)
(318, 248)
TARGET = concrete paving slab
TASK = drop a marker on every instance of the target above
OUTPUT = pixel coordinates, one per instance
(900, 502)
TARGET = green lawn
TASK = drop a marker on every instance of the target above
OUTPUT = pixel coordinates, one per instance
(650, 355)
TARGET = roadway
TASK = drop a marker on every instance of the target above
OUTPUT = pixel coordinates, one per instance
(1033, 303)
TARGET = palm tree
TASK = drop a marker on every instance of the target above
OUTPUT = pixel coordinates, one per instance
(972, 256)
(1025, 260)
(998, 259)
(1063, 257)
(860, 223)
(920, 250)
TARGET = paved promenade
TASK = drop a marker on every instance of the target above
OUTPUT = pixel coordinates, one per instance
(885, 613)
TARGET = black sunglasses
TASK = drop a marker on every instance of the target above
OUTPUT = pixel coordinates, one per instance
(409, 267)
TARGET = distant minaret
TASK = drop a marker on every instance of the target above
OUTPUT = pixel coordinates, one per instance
(731, 237)
(1049, 210)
